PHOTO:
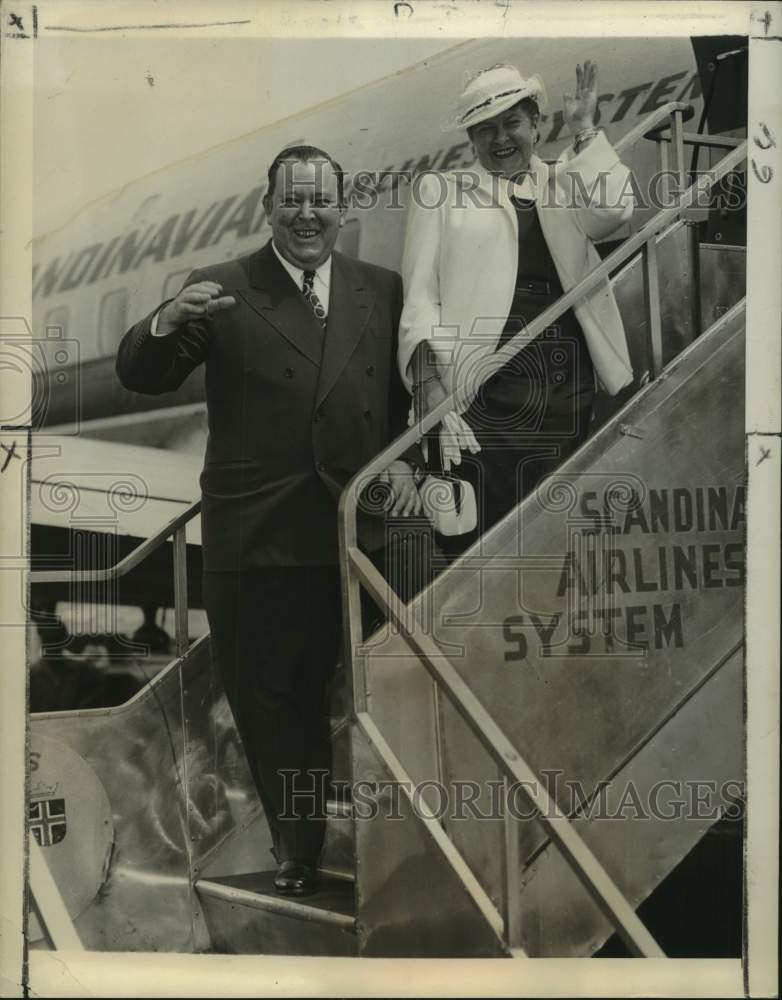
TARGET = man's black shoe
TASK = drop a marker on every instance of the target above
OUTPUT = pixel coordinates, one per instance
(296, 878)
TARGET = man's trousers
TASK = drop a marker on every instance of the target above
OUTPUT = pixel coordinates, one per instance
(275, 639)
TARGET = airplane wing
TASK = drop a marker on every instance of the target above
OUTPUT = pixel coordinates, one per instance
(103, 486)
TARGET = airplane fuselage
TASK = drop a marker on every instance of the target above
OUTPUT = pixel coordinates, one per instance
(123, 255)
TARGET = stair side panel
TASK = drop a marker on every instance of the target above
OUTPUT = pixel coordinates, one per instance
(410, 901)
(639, 830)
(239, 929)
(573, 708)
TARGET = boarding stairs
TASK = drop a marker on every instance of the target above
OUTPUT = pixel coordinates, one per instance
(618, 667)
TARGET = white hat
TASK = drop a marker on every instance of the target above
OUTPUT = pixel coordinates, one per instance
(490, 92)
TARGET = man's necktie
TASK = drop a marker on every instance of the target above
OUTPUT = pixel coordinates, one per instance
(311, 296)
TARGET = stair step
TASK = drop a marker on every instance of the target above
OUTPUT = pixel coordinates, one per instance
(332, 903)
(245, 915)
(248, 850)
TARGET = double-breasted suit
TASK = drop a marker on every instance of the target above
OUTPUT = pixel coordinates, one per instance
(294, 411)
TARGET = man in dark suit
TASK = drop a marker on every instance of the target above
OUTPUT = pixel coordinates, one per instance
(299, 343)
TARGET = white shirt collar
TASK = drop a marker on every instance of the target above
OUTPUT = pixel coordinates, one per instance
(322, 274)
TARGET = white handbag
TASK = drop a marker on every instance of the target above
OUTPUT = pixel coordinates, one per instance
(449, 502)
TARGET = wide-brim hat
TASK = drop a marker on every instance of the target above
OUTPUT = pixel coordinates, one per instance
(490, 92)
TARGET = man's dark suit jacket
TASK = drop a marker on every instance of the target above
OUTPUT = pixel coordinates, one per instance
(294, 411)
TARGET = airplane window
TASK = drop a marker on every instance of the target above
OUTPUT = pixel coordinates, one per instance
(349, 238)
(113, 320)
(174, 282)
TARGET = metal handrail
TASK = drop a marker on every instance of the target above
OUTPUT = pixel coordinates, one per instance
(642, 129)
(628, 249)
(676, 113)
(56, 922)
(358, 571)
(176, 527)
(579, 856)
(707, 141)
(125, 565)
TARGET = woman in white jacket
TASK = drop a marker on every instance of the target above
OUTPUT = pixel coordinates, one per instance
(486, 251)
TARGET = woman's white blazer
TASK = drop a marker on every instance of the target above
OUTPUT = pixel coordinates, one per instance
(461, 255)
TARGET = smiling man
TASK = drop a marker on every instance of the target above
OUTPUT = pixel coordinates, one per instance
(481, 264)
(299, 344)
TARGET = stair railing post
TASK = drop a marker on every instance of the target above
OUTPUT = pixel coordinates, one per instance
(694, 262)
(677, 140)
(180, 590)
(662, 167)
(355, 666)
(652, 305)
(512, 870)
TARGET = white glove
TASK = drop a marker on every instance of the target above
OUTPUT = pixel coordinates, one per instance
(456, 436)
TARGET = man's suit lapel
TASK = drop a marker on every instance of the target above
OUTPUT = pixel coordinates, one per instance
(350, 306)
(274, 296)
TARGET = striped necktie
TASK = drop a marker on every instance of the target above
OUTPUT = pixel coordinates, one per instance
(311, 296)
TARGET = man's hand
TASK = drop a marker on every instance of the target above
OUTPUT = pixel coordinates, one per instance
(579, 110)
(406, 501)
(204, 298)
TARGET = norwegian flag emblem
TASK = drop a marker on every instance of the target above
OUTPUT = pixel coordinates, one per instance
(47, 821)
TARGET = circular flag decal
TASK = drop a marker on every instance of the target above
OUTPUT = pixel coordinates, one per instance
(70, 818)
